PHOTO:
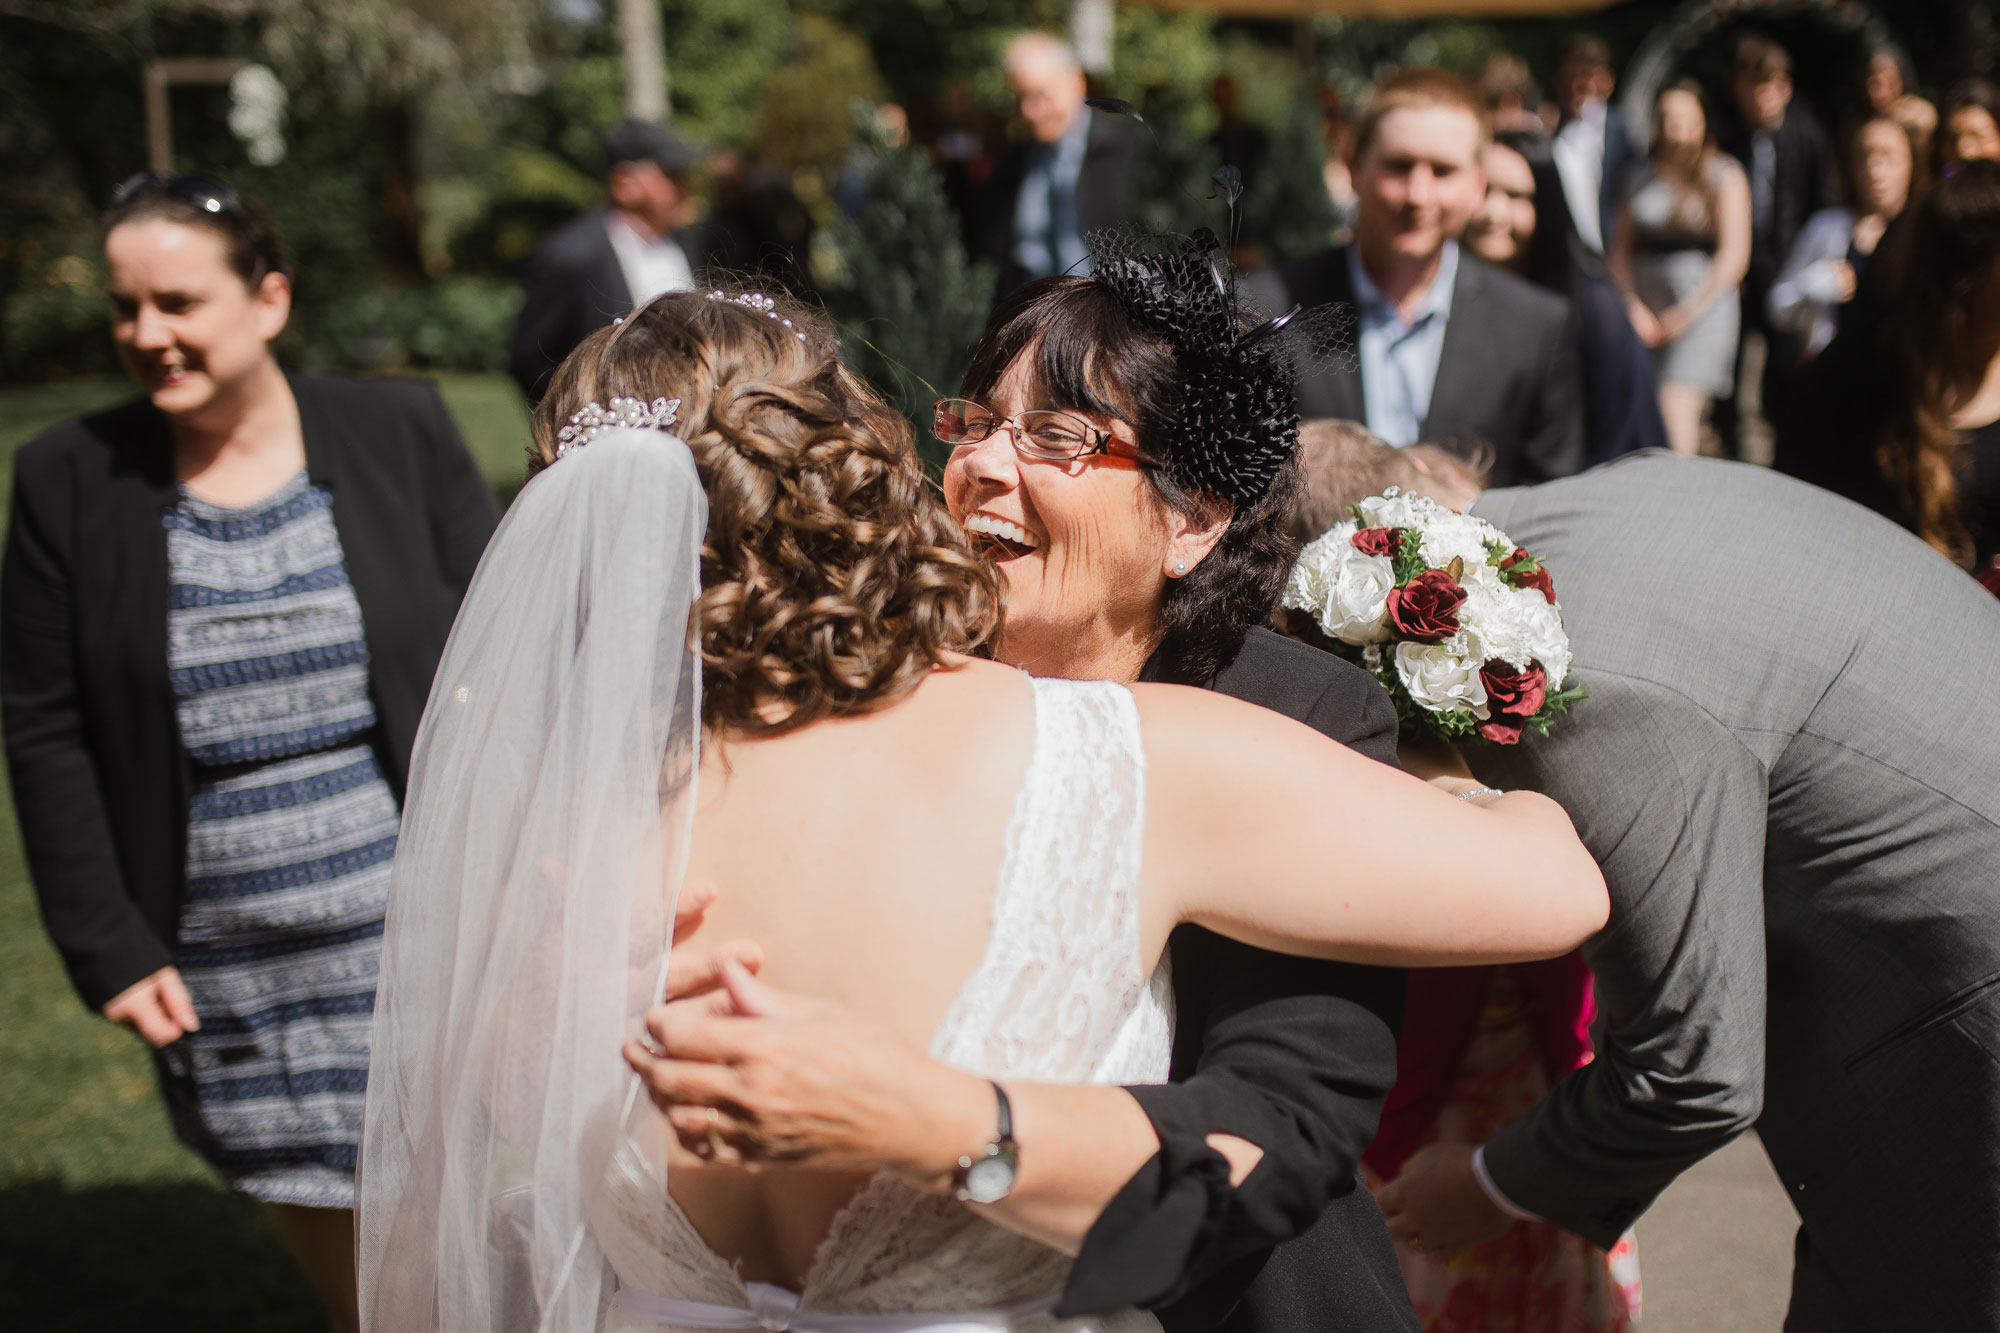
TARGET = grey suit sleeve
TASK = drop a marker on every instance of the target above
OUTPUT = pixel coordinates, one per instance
(1673, 807)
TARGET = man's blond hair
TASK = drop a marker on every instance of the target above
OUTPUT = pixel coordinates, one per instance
(1418, 88)
(1344, 465)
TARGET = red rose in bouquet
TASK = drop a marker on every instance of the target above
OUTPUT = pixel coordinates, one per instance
(1379, 541)
(1425, 610)
(1536, 578)
(1512, 697)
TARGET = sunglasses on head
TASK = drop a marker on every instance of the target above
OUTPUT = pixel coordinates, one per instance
(206, 194)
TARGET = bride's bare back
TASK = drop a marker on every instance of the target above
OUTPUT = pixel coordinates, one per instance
(861, 854)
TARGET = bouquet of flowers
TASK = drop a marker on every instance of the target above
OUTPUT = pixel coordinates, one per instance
(1458, 623)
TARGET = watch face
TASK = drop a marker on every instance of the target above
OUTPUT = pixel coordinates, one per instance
(989, 1179)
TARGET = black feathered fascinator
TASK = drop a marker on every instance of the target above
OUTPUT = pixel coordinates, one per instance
(1238, 420)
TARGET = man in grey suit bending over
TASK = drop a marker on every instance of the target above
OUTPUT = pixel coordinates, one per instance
(1789, 767)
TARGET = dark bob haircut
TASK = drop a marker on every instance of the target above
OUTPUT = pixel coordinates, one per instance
(1088, 355)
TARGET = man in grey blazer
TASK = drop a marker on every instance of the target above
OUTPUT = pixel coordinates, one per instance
(1451, 347)
(1789, 768)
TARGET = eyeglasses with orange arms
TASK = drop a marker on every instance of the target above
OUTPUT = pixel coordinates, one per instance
(1039, 433)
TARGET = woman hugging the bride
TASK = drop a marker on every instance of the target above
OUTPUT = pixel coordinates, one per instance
(728, 636)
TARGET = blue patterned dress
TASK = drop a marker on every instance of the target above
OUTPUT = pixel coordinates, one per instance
(291, 829)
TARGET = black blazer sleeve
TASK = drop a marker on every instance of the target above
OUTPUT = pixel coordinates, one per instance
(1554, 444)
(100, 932)
(1291, 1054)
(541, 329)
(462, 509)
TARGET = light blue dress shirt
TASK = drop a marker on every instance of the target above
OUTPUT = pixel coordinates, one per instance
(1399, 357)
(1047, 239)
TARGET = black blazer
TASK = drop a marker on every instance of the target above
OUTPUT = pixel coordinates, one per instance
(573, 287)
(101, 780)
(1291, 1054)
(1804, 182)
(1508, 376)
(1103, 193)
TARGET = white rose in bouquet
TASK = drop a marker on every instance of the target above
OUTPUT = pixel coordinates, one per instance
(1440, 679)
(1547, 641)
(1448, 535)
(1396, 509)
(1346, 590)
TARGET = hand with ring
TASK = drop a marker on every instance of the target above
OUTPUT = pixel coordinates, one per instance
(749, 1074)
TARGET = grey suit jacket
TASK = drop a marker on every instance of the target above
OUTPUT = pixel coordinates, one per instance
(1508, 377)
(1789, 768)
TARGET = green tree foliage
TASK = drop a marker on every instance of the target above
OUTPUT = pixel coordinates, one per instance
(718, 54)
(805, 123)
(896, 277)
(1286, 212)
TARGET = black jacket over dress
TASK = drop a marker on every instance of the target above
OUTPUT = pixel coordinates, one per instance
(1508, 376)
(1291, 1054)
(1102, 193)
(101, 780)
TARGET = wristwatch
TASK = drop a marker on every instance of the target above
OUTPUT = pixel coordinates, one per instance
(989, 1176)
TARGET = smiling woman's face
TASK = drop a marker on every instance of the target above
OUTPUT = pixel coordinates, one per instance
(1085, 547)
(188, 328)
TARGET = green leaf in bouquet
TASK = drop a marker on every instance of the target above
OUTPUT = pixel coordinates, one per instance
(1516, 572)
(1496, 551)
(1410, 560)
(1555, 703)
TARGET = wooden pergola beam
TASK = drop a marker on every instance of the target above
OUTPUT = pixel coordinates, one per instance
(160, 75)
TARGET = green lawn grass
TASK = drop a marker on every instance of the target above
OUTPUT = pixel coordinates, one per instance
(105, 1220)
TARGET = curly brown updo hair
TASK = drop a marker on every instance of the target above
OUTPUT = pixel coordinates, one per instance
(833, 581)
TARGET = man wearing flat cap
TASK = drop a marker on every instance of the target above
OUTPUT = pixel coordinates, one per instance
(603, 264)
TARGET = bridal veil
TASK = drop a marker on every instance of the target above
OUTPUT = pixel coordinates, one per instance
(543, 842)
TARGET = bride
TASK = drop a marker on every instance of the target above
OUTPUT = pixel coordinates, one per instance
(744, 659)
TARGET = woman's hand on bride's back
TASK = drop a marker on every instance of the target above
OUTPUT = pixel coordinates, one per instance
(750, 1075)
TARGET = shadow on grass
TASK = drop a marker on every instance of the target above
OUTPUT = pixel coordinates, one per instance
(165, 1258)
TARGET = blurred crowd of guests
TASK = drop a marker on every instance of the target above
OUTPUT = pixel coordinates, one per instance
(1536, 278)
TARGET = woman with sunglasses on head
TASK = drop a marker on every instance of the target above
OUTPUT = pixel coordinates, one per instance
(221, 607)
(1125, 452)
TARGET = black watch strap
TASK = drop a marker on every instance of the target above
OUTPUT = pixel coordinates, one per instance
(1004, 1130)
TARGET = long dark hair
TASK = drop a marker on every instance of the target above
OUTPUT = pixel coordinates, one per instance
(1944, 264)
(1088, 355)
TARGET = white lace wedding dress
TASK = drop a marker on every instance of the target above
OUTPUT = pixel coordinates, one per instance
(1060, 996)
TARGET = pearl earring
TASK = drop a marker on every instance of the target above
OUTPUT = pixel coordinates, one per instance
(1180, 566)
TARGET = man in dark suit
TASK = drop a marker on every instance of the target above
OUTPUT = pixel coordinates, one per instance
(1792, 176)
(597, 268)
(1798, 819)
(1066, 180)
(1592, 147)
(1451, 347)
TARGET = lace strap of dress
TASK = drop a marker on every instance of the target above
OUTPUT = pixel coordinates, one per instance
(1062, 966)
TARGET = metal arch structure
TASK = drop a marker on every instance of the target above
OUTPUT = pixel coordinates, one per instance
(1653, 65)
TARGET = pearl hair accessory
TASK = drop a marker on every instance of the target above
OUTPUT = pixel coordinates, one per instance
(760, 303)
(594, 418)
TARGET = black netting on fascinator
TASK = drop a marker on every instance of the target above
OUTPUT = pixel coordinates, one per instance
(1237, 422)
